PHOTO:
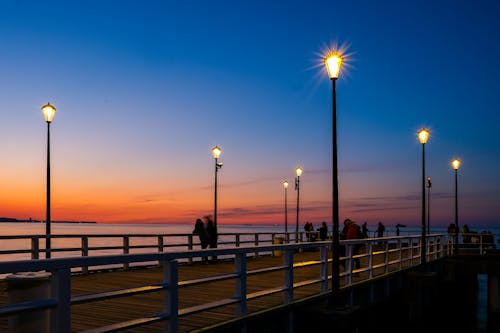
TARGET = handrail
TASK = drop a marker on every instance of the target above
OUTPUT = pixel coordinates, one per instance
(388, 253)
(64, 245)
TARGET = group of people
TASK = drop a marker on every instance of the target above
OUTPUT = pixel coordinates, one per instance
(466, 233)
(322, 231)
(311, 235)
(207, 233)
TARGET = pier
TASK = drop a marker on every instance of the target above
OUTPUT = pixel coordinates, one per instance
(178, 292)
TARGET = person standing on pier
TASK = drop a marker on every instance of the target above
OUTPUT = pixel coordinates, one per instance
(323, 231)
(364, 230)
(212, 234)
(201, 231)
(380, 230)
(354, 232)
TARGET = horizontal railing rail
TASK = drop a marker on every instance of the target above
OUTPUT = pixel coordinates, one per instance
(379, 256)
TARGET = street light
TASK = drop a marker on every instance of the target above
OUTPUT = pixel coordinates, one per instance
(298, 172)
(49, 112)
(456, 164)
(333, 63)
(423, 136)
(285, 186)
(216, 152)
(429, 185)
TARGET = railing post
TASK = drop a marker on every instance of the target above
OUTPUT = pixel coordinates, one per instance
(288, 275)
(171, 294)
(35, 248)
(348, 264)
(85, 252)
(237, 240)
(256, 242)
(60, 316)
(323, 268)
(190, 247)
(126, 250)
(370, 260)
(160, 247)
(386, 257)
(481, 244)
(160, 244)
(400, 254)
(240, 268)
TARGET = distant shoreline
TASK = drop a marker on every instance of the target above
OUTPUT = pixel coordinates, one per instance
(12, 220)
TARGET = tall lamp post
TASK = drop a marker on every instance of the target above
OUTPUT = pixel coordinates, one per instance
(423, 136)
(429, 185)
(285, 186)
(216, 151)
(48, 113)
(456, 164)
(333, 62)
(298, 172)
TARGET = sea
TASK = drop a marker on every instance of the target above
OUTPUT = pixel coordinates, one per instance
(21, 228)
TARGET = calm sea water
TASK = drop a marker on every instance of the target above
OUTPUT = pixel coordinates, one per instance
(120, 229)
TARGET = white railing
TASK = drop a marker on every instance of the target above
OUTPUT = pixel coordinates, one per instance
(383, 255)
(66, 245)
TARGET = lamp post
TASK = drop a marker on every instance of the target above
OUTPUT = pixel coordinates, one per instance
(298, 172)
(285, 186)
(423, 136)
(216, 151)
(456, 164)
(333, 62)
(429, 185)
(48, 113)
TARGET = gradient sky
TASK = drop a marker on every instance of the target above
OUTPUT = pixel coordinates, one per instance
(145, 89)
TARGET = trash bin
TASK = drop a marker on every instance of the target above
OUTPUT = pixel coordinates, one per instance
(24, 287)
(278, 240)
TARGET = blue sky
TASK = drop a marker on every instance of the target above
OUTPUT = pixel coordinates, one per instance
(144, 90)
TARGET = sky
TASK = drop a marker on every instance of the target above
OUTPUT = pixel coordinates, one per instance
(144, 90)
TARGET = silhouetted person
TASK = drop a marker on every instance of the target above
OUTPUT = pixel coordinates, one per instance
(308, 228)
(465, 234)
(212, 234)
(354, 232)
(201, 231)
(364, 230)
(380, 230)
(323, 231)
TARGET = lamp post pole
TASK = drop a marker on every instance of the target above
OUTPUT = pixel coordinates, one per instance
(48, 113)
(298, 172)
(333, 62)
(216, 152)
(429, 185)
(456, 164)
(285, 186)
(423, 136)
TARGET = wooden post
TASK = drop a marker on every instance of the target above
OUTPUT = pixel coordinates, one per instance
(126, 250)
(85, 252)
(35, 248)
(61, 291)
(240, 267)
(171, 294)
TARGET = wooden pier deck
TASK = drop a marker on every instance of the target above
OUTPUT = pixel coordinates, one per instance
(87, 316)
(96, 314)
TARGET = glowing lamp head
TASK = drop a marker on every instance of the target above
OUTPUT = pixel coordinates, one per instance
(48, 112)
(423, 135)
(333, 62)
(216, 151)
(285, 184)
(298, 171)
(456, 164)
